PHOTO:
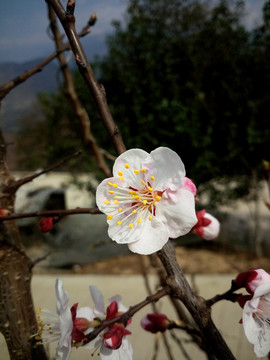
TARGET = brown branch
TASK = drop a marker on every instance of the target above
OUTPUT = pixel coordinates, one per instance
(68, 22)
(11, 84)
(197, 307)
(13, 187)
(49, 213)
(79, 110)
(128, 314)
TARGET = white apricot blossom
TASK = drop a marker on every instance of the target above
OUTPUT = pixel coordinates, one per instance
(256, 319)
(147, 201)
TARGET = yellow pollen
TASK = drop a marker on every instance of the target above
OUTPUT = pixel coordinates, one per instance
(136, 172)
(158, 198)
(111, 191)
(143, 183)
(144, 202)
(116, 202)
(115, 185)
(143, 170)
(116, 197)
(152, 178)
(134, 193)
(150, 217)
(109, 217)
(106, 202)
(121, 177)
(127, 166)
(139, 220)
(119, 222)
(120, 209)
(130, 192)
(130, 225)
(120, 173)
(110, 184)
(134, 211)
(149, 188)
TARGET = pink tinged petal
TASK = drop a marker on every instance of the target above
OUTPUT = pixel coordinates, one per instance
(125, 352)
(153, 237)
(211, 231)
(166, 167)
(176, 210)
(98, 300)
(188, 184)
(260, 278)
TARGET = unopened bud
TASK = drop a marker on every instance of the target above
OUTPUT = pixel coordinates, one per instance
(155, 322)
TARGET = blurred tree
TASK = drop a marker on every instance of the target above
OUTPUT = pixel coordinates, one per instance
(183, 74)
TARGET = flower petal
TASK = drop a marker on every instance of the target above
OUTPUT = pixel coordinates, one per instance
(62, 353)
(177, 211)
(153, 237)
(86, 312)
(166, 167)
(133, 159)
(125, 352)
(61, 295)
(98, 300)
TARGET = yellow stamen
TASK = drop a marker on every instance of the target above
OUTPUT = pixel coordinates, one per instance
(119, 222)
(143, 170)
(158, 198)
(116, 202)
(106, 202)
(130, 225)
(134, 211)
(149, 188)
(109, 217)
(111, 191)
(130, 192)
(116, 197)
(120, 173)
(136, 172)
(144, 202)
(115, 185)
(143, 183)
(121, 177)
(150, 217)
(110, 184)
(152, 178)
(127, 166)
(120, 209)
(139, 220)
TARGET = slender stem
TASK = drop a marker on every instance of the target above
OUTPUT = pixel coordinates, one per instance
(49, 213)
(68, 22)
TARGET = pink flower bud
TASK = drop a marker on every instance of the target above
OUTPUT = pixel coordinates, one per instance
(251, 279)
(4, 212)
(113, 337)
(189, 185)
(155, 322)
(207, 226)
(112, 311)
(46, 224)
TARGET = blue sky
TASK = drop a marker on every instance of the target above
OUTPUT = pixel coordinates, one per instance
(23, 24)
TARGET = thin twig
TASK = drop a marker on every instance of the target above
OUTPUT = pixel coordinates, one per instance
(11, 84)
(68, 22)
(49, 213)
(71, 93)
(18, 183)
(128, 314)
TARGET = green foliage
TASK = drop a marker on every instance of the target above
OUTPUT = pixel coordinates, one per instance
(182, 74)
(192, 78)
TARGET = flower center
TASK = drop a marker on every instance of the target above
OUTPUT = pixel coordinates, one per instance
(136, 203)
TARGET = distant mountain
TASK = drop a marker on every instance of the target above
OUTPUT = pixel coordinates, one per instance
(22, 98)
(19, 101)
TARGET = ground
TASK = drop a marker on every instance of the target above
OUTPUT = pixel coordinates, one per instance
(202, 260)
